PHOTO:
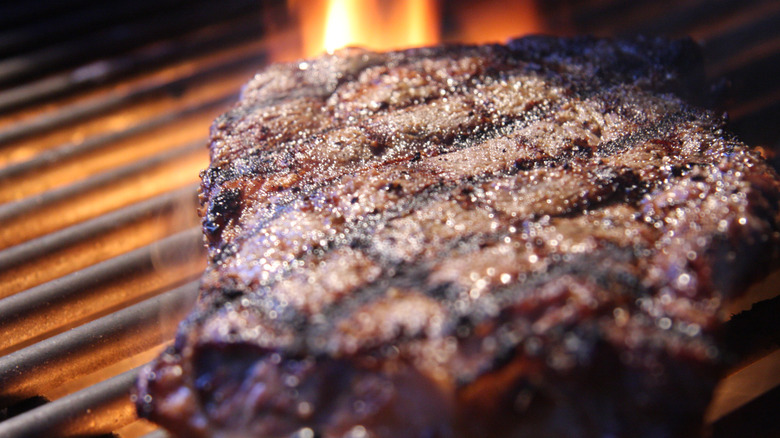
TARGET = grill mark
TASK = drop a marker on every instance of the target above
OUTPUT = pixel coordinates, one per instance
(219, 176)
(355, 233)
(359, 233)
(313, 189)
(552, 78)
(663, 128)
(285, 152)
(506, 299)
(312, 337)
(628, 179)
(410, 275)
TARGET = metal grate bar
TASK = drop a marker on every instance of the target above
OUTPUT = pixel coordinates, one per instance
(100, 171)
(17, 14)
(722, 48)
(157, 434)
(13, 210)
(677, 17)
(753, 79)
(68, 300)
(98, 106)
(99, 409)
(34, 370)
(31, 249)
(70, 150)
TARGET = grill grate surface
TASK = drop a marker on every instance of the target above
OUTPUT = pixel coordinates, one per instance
(104, 115)
(104, 110)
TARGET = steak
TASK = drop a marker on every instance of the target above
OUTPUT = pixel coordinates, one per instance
(522, 240)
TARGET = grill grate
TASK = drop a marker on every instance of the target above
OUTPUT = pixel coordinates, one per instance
(104, 112)
(104, 115)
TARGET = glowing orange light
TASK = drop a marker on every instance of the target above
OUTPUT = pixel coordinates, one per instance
(328, 25)
(340, 29)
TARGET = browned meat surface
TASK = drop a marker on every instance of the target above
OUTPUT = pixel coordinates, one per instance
(531, 240)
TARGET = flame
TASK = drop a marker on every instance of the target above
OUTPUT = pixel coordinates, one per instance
(328, 25)
(339, 29)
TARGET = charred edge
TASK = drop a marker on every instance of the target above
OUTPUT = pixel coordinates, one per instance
(223, 210)
(222, 368)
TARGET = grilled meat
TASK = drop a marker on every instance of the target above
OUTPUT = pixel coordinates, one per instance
(467, 241)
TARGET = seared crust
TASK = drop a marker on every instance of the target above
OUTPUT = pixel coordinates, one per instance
(467, 241)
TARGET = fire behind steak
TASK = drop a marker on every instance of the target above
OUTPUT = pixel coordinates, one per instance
(467, 241)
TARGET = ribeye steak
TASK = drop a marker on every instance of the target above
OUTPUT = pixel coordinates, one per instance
(522, 240)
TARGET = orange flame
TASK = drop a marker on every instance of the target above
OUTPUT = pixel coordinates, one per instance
(327, 25)
(340, 30)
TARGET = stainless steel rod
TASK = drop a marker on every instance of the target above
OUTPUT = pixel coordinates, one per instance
(47, 364)
(53, 419)
(31, 249)
(15, 209)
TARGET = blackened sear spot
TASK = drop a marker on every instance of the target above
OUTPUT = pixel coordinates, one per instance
(223, 211)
